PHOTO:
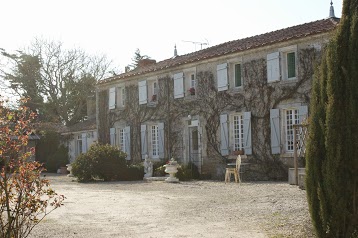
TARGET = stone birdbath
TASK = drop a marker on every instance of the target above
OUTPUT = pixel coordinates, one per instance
(171, 168)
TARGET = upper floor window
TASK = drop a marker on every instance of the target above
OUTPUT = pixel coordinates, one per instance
(282, 64)
(238, 81)
(290, 65)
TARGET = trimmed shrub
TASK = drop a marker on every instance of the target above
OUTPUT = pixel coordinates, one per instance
(133, 172)
(158, 169)
(188, 172)
(100, 162)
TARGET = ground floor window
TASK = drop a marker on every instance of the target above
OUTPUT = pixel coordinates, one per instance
(155, 141)
(291, 118)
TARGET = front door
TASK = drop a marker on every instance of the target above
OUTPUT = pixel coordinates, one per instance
(194, 152)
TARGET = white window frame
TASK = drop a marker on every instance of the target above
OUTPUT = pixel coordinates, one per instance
(154, 141)
(122, 139)
(236, 133)
(153, 89)
(123, 96)
(120, 96)
(288, 127)
(234, 75)
(192, 81)
(79, 145)
(283, 61)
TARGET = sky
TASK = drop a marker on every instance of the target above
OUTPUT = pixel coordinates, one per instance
(117, 28)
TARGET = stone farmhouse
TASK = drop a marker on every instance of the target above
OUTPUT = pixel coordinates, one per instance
(200, 107)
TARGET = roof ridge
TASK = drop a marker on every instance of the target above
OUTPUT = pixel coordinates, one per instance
(236, 45)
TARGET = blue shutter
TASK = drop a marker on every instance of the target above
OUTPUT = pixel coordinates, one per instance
(143, 136)
(84, 142)
(224, 135)
(178, 85)
(275, 131)
(142, 91)
(302, 113)
(112, 98)
(222, 78)
(112, 136)
(127, 136)
(161, 139)
(273, 67)
(247, 133)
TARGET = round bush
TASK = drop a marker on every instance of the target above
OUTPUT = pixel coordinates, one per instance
(100, 162)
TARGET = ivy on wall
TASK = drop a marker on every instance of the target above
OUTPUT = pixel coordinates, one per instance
(258, 97)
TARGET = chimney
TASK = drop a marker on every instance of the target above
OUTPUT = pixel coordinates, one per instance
(146, 62)
(175, 51)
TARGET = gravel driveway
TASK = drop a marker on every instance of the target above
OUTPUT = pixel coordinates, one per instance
(186, 209)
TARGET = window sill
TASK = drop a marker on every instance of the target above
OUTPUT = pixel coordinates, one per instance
(190, 97)
(236, 90)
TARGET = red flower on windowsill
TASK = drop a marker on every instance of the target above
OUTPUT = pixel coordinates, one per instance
(154, 98)
(191, 91)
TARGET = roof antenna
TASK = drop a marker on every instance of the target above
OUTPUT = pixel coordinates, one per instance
(331, 11)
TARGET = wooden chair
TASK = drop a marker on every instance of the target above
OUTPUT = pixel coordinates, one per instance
(234, 171)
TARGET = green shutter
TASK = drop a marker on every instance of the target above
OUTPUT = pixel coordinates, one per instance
(291, 65)
(237, 75)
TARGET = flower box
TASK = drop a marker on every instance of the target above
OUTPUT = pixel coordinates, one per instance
(154, 98)
(238, 152)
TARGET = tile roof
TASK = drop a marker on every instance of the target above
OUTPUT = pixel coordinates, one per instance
(82, 126)
(290, 33)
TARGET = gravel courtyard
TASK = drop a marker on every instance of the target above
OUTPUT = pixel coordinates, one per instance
(186, 209)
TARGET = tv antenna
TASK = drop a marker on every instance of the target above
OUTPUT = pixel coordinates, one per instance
(198, 43)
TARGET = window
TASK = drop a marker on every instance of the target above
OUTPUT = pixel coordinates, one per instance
(122, 139)
(282, 64)
(235, 133)
(153, 91)
(192, 81)
(152, 140)
(291, 118)
(121, 97)
(291, 65)
(123, 94)
(155, 141)
(238, 132)
(238, 82)
(78, 145)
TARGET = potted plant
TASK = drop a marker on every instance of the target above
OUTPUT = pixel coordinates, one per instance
(191, 91)
(154, 98)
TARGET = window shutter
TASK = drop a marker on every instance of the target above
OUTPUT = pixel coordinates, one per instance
(222, 77)
(143, 136)
(224, 146)
(275, 131)
(161, 139)
(112, 98)
(112, 136)
(127, 136)
(302, 113)
(142, 90)
(273, 67)
(84, 142)
(178, 85)
(247, 133)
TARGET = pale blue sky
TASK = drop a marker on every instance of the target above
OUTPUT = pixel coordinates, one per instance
(116, 28)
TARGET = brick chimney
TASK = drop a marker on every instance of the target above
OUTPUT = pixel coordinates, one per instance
(146, 62)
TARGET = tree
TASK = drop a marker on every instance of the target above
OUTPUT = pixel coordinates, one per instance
(25, 198)
(332, 163)
(57, 80)
(137, 58)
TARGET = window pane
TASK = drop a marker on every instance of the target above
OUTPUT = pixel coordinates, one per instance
(237, 75)
(291, 65)
(238, 132)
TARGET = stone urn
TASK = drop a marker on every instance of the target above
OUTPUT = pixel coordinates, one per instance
(69, 169)
(171, 168)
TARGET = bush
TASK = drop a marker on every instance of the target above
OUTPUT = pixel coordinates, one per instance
(158, 169)
(133, 172)
(100, 162)
(188, 172)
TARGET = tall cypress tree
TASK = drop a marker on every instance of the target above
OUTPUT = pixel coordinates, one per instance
(332, 152)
